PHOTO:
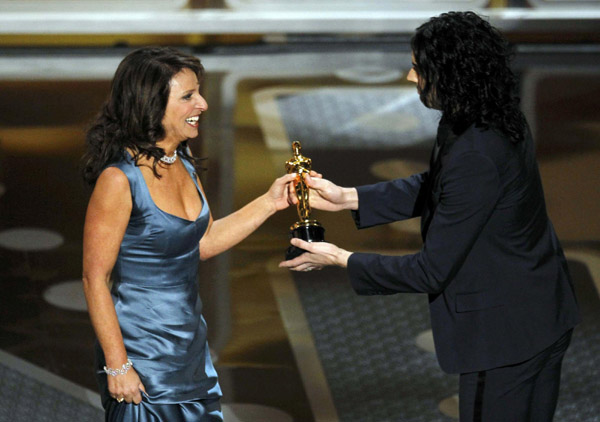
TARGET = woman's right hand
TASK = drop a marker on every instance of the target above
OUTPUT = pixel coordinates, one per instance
(127, 387)
(327, 196)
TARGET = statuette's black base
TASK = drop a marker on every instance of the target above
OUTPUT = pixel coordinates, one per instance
(308, 232)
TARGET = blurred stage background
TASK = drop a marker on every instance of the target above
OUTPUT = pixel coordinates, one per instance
(331, 74)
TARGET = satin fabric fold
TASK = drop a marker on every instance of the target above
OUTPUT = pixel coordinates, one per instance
(160, 313)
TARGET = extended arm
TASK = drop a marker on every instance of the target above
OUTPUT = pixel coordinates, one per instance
(394, 200)
(327, 196)
(105, 223)
(379, 203)
(470, 191)
(226, 232)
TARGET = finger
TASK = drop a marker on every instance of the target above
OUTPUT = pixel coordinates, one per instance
(289, 177)
(314, 183)
(283, 264)
(304, 267)
(137, 397)
(292, 195)
(282, 183)
(302, 244)
(141, 387)
(298, 262)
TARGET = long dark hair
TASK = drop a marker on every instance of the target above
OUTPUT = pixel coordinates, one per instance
(132, 115)
(464, 70)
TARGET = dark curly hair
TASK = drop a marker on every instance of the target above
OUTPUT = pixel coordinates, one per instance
(132, 115)
(463, 64)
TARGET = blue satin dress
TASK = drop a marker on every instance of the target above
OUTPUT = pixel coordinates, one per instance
(160, 313)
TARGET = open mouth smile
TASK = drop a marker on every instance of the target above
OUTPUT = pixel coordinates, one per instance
(193, 121)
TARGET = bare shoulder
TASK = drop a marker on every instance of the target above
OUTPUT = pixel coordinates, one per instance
(112, 188)
(113, 178)
(106, 221)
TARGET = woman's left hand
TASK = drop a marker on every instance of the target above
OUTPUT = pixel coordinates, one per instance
(317, 256)
(278, 193)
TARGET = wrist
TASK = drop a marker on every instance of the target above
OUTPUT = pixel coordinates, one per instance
(350, 198)
(115, 358)
(269, 204)
(343, 258)
(122, 370)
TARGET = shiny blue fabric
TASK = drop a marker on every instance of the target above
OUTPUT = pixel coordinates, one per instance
(160, 313)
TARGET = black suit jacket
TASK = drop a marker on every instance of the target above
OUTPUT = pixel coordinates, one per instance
(498, 283)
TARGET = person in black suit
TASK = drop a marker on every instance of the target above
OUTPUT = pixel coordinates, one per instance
(501, 299)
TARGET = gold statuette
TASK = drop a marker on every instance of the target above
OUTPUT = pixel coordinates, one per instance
(306, 228)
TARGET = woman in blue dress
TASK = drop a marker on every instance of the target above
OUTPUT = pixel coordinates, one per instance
(148, 225)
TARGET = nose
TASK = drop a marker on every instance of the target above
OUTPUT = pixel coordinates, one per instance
(412, 76)
(201, 103)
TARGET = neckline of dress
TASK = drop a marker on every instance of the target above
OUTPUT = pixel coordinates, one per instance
(147, 190)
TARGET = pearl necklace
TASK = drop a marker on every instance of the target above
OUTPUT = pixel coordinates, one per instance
(169, 160)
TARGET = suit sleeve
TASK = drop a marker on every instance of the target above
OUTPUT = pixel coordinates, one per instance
(470, 188)
(386, 202)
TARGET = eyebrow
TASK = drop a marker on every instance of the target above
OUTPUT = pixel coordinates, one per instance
(191, 90)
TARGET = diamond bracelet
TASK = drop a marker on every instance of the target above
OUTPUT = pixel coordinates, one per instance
(121, 371)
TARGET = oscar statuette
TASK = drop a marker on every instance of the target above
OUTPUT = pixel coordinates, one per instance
(305, 228)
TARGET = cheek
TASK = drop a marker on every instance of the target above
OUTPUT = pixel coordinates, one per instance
(168, 115)
(173, 116)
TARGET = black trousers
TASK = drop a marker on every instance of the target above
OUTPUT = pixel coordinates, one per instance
(525, 392)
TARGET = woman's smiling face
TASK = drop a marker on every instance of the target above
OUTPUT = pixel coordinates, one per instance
(183, 108)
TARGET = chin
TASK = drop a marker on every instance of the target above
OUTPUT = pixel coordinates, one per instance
(191, 132)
